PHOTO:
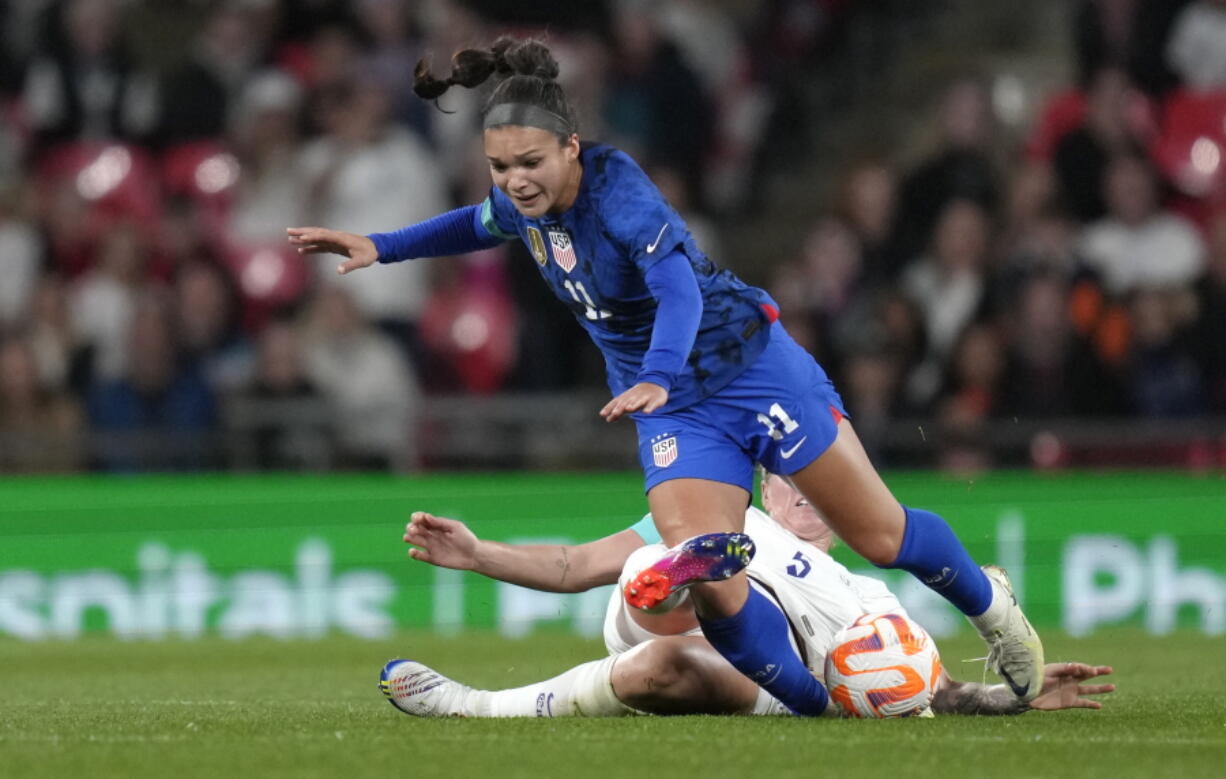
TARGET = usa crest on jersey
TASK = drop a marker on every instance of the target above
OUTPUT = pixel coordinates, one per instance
(563, 250)
(664, 452)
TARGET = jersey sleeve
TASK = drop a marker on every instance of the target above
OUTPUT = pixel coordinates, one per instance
(497, 216)
(636, 216)
(646, 528)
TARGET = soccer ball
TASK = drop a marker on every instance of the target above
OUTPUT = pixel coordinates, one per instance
(882, 665)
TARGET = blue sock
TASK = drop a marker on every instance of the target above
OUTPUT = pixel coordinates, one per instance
(936, 557)
(755, 641)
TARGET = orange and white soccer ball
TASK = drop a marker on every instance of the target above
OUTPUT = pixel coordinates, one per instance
(883, 665)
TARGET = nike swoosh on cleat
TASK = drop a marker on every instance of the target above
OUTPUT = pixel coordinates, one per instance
(651, 247)
(787, 453)
(1017, 690)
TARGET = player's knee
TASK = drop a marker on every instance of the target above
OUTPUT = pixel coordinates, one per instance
(880, 549)
(876, 539)
(661, 666)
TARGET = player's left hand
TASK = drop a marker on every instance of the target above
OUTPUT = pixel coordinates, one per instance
(1063, 688)
(644, 396)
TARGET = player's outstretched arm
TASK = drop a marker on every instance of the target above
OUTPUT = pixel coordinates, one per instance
(1062, 689)
(359, 249)
(449, 543)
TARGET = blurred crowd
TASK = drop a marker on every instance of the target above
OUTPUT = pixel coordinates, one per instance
(152, 154)
(1078, 272)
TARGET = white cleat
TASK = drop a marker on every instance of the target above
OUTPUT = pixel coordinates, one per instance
(421, 691)
(1015, 650)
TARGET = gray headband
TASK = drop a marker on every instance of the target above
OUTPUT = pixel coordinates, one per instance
(527, 115)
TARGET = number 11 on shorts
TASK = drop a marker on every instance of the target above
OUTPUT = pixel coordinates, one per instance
(778, 416)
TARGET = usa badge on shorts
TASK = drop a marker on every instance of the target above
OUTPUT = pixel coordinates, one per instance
(563, 250)
(664, 452)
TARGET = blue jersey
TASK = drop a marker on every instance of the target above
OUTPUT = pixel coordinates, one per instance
(594, 257)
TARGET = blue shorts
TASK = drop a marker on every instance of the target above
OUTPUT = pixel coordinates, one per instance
(782, 412)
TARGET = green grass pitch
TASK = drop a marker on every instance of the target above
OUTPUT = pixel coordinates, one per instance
(101, 707)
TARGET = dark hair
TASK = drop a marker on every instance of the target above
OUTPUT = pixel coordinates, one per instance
(525, 69)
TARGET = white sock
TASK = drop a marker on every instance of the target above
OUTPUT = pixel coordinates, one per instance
(996, 611)
(583, 691)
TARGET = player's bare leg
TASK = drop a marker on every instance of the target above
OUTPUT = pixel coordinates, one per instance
(685, 508)
(682, 675)
(848, 492)
(745, 627)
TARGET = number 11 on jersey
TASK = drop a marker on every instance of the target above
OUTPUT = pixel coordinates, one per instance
(576, 289)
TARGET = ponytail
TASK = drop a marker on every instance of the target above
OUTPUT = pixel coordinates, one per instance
(526, 73)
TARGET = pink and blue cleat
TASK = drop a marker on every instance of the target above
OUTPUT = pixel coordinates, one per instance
(706, 558)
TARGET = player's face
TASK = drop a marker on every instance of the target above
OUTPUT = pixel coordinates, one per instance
(538, 173)
(792, 510)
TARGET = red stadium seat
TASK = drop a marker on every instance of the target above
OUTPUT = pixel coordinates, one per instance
(1191, 147)
(269, 275)
(205, 171)
(1061, 114)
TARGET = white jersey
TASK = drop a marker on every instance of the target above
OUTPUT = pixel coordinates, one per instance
(818, 595)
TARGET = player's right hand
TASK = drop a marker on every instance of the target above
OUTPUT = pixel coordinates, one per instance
(1063, 688)
(359, 249)
(447, 543)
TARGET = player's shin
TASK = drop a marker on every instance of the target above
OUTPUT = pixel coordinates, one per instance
(932, 552)
(755, 641)
(936, 557)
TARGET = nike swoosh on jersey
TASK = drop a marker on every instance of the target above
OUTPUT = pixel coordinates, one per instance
(787, 453)
(651, 247)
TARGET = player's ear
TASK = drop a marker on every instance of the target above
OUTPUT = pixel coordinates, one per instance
(570, 149)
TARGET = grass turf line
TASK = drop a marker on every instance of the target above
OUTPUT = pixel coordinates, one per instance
(101, 707)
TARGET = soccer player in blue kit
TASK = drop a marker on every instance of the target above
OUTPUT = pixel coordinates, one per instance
(698, 359)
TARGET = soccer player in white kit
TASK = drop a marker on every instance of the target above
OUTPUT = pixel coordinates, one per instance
(660, 663)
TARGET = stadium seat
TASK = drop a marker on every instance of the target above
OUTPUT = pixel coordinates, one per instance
(1190, 148)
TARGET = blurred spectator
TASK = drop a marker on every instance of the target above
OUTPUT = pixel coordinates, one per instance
(85, 85)
(884, 348)
(264, 132)
(970, 399)
(1164, 379)
(1110, 129)
(372, 389)
(206, 314)
(707, 39)
(103, 303)
(867, 201)
(200, 94)
(290, 420)
(367, 175)
(1197, 46)
(61, 363)
(961, 168)
(40, 428)
(817, 293)
(1210, 326)
(1050, 370)
(1138, 243)
(392, 53)
(154, 414)
(655, 106)
(948, 285)
(21, 252)
(1131, 34)
(334, 52)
